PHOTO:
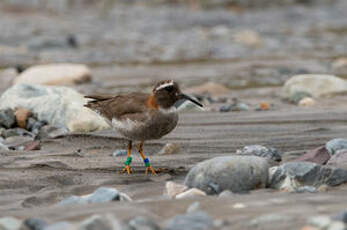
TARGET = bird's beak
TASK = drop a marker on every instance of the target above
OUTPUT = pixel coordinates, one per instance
(186, 97)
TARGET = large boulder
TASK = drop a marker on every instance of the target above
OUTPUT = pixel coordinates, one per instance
(313, 84)
(55, 74)
(59, 106)
(335, 145)
(234, 173)
(339, 160)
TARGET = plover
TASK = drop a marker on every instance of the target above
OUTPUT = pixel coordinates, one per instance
(140, 117)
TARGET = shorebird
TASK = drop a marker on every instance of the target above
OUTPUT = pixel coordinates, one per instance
(140, 117)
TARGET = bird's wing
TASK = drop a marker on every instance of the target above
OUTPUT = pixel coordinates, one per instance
(131, 106)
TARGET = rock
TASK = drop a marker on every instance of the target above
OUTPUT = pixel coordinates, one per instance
(59, 226)
(190, 193)
(35, 224)
(314, 84)
(143, 223)
(269, 219)
(21, 117)
(119, 153)
(55, 74)
(16, 132)
(238, 106)
(339, 159)
(226, 194)
(194, 207)
(173, 189)
(95, 222)
(319, 155)
(342, 216)
(169, 148)
(225, 108)
(35, 145)
(16, 141)
(9, 223)
(303, 189)
(59, 106)
(322, 222)
(191, 221)
(260, 151)
(209, 88)
(292, 175)
(48, 131)
(3, 147)
(248, 37)
(340, 66)
(336, 144)
(239, 205)
(101, 195)
(235, 173)
(263, 106)
(296, 97)
(306, 102)
(7, 118)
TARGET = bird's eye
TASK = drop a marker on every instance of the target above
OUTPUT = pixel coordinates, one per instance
(169, 89)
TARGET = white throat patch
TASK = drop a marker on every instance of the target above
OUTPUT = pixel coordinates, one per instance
(172, 109)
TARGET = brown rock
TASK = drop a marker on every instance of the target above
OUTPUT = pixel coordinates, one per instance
(319, 155)
(22, 117)
(339, 159)
(173, 189)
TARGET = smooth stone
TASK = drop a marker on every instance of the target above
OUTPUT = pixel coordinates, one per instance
(236, 173)
(336, 144)
(225, 108)
(239, 106)
(59, 106)
(269, 219)
(319, 155)
(7, 117)
(9, 223)
(339, 159)
(191, 193)
(322, 222)
(173, 189)
(303, 189)
(292, 175)
(143, 223)
(55, 74)
(119, 153)
(95, 222)
(59, 226)
(261, 151)
(314, 84)
(35, 224)
(169, 148)
(307, 102)
(191, 221)
(341, 216)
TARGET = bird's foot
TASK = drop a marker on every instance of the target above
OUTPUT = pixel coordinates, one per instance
(127, 166)
(149, 167)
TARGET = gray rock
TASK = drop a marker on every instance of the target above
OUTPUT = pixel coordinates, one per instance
(73, 200)
(16, 132)
(119, 152)
(261, 151)
(59, 226)
(95, 222)
(143, 223)
(7, 118)
(335, 145)
(342, 216)
(339, 159)
(49, 131)
(225, 108)
(191, 221)
(235, 173)
(292, 175)
(303, 189)
(10, 223)
(35, 224)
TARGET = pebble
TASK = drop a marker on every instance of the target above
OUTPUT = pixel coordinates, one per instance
(263, 106)
(191, 193)
(95, 222)
(173, 189)
(238, 106)
(143, 223)
(7, 118)
(191, 221)
(319, 155)
(306, 102)
(169, 148)
(306, 188)
(22, 116)
(261, 151)
(235, 173)
(35, 224)
(336, 144)
(239, 205)
(119, 153)
(9, 223)
(298, 96)
(225, 108)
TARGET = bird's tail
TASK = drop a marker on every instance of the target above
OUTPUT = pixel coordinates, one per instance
(96, 101)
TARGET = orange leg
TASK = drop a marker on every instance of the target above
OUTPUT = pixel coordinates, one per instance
(128, 161)
(145, 160)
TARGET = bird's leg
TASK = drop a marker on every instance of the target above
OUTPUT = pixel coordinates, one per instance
(145, 160)
(128, 160)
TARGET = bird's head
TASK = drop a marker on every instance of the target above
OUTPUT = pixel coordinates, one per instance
(167, 93)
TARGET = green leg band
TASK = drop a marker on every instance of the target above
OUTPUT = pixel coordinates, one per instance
(128, 161)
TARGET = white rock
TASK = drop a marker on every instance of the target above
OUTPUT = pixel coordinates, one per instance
(54, 74)
(314, 84)
(239, 205)
(307, 101)
(193, 192)
(59, 106)
(173, 189)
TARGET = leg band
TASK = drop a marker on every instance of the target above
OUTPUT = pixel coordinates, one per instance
(147, 164)
(128, 161)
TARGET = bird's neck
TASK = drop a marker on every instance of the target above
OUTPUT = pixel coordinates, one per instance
(151, 103)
